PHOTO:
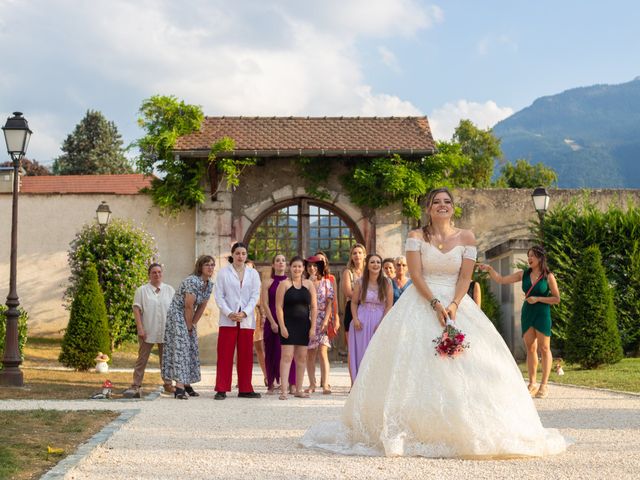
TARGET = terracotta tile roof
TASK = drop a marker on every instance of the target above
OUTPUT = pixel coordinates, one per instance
(129, 184)
(286, 136)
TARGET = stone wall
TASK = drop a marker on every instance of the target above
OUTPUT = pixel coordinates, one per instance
(47, 223)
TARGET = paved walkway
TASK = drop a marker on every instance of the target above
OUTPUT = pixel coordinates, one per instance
(243, 438)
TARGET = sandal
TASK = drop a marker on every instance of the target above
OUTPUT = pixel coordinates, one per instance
(326, 390)
(543, 391)
(311, 389)
(301, 395)
(533, 389)
(283, 396)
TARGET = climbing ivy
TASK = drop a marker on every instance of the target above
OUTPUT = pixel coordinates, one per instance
(315, 173)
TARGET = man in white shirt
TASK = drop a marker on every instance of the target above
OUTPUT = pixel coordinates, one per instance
(150, 304)
(237, 292)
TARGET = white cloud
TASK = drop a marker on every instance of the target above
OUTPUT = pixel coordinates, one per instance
(257, 58)
(388, 58)
(444, 120)
(491, 43)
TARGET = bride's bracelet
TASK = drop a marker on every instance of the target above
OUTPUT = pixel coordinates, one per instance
(434, 301)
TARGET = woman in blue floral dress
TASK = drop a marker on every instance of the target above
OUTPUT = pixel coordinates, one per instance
(181, 358)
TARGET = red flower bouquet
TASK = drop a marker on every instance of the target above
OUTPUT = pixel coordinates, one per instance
(451, 343)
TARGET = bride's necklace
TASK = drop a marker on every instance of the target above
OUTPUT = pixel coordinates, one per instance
(440, 243)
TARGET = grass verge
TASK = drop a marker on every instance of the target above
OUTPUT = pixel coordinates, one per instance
(25, 438)
(623, 376)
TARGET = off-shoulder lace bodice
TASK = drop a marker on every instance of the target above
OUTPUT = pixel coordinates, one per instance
(441, 268)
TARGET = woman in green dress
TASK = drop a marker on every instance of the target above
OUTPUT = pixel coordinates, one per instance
(541, 291)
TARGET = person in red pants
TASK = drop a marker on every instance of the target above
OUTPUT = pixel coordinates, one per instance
(237, 292)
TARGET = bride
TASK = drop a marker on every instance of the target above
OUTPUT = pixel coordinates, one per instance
(406, 400)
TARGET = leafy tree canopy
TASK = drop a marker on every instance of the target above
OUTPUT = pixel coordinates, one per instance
(482, 147)
(524, 175)
(93, 148)
(31, 167)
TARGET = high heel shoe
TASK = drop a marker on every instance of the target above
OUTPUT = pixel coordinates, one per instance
(180, 394)
(192, 393)
(543, 391)
(533, 389)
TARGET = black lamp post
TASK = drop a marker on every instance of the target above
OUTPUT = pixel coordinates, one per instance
(103, 215)
(16, 135)
(541, 202)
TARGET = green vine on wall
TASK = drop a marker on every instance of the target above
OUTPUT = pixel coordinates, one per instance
(231, 168)
(315, 173)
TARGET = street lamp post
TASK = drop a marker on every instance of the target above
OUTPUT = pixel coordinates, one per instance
(16, 135)
(541, 203)
(103, 215)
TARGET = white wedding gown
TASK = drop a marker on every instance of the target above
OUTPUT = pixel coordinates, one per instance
(408, 401)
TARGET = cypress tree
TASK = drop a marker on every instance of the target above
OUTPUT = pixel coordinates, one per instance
(593, 337)
(88, 329)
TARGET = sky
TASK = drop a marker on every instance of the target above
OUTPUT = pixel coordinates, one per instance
(449, 60)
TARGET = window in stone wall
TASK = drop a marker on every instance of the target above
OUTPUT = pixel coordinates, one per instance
(302, 228)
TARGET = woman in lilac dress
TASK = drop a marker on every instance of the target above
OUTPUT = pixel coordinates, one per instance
(372, 299)
(272, 350)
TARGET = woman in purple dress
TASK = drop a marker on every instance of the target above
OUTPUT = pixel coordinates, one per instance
(372, 299)
(272, 350)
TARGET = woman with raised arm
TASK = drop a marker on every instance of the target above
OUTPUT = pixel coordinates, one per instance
(540, 292)
(416, 396)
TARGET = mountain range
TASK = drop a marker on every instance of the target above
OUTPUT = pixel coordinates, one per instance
(589, 135)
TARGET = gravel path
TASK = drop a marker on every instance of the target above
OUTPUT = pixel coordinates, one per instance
(244, 438)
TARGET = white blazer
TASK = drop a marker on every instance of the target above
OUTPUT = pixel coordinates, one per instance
(232, 297)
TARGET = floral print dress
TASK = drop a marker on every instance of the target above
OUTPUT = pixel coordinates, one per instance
(324, 295)
(181, 357)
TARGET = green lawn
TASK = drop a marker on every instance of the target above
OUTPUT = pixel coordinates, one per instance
(623, 376)
(32, 442)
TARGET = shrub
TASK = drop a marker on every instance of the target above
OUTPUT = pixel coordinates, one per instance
(22, 329)
(489, 303)
(593, 337)
(88, 329)
(121, 257)
(568, 230)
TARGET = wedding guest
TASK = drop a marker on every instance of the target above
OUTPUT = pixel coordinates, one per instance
(353, 272)
(258, 332)
(180, 356)
(237, 293)
(272, 346)
(372, 299)
(334, 322)
(541, 291)
(389, 268)
(150, 304)
(401, 282)
(319, 343)
(296, 313)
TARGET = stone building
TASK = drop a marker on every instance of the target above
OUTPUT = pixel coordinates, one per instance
(271, 194)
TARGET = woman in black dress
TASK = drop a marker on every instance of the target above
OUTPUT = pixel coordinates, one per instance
(296, 308)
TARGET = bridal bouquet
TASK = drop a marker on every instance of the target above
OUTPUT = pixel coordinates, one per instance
(451, 343)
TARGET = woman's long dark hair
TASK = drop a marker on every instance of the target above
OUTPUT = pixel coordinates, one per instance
(541, 255)
(382, 280)
(426, 230)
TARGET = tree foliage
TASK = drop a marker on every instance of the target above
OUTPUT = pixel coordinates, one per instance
(22, 329)
(31, 167)
(87, 332)
(483, 150)
(522, 174)
(180, 186)
(93, 148)
(121, 256)
(593, 338)
(568, 230)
